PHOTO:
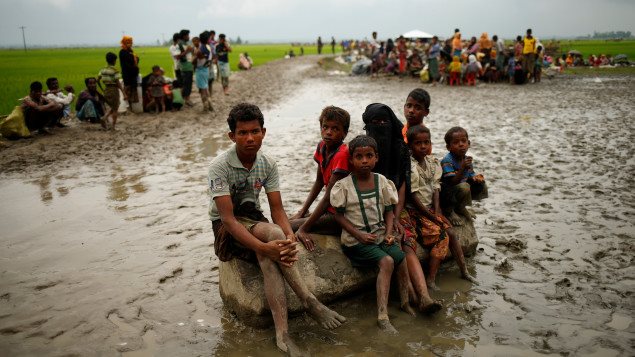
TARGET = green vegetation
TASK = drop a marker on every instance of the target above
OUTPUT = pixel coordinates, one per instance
(71, 65)
(596, 72)
(598, 47)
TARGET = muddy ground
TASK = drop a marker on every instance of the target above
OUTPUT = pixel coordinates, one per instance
(106, 247)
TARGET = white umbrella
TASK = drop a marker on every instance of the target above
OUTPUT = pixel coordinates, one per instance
(417, 34)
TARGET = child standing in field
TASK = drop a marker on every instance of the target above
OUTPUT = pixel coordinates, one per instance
(155, 87)
(460, 184)
(364, 203)
(455, 71)
(203, 57)
(424, 220)
(332, 158)
(222, 52)
(110, 77)
(538, 67)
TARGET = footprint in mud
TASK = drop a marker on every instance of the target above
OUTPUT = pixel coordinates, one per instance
(47, 285)
(504, 266)
(172, 246)
(514, 244)
(129, 335)
(173, 275)
(562, 292)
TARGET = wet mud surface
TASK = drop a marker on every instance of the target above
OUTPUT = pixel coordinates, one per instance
(107, 247)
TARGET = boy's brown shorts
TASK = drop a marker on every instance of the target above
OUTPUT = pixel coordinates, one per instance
(226, 247)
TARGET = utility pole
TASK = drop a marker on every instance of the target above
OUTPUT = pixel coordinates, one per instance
(23, 38)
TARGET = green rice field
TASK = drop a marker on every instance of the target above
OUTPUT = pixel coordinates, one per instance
(71, 65)
(598, 47)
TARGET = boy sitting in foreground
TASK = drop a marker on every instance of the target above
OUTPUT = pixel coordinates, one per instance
(364, 203)
(236, 178)
(459, 183)
(331, 156)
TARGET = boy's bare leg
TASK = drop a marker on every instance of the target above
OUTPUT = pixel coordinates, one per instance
(104, 120)
(432, 273)
(296, 223)
(463, 197)
(326, 224)
(328, 318)
(403, 281)
(114, 119)
(457, 253)
(277, 300)
(386, 266)
(425, 302)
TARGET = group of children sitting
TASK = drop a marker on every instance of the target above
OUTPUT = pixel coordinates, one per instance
(385, 190)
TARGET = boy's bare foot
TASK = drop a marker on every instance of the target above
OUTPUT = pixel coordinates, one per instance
(465, 275)
(286, 344)
(326, 317)
(408, 309)
(429, 306)
(432, 285)
(386, 326)
(463, 211)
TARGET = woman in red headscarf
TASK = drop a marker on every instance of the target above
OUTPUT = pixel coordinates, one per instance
(129, 68)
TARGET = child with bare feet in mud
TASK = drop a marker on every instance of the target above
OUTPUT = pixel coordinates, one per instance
(459, 183)
(331, 156)
(424, 220)
(155, 88)
(110, 76)
(236, 178)
(364, 203)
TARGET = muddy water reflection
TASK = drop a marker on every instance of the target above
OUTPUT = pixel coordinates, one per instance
(117, 258)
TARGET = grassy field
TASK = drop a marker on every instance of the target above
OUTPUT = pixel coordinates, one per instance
(598, 47)
(71, 65)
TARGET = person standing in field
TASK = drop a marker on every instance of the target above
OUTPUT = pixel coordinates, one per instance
(110, 76)
(222, 51)
(500, 53)
(212, 74)
(529, 54)
(203, 57)
(319, 45)
(434, 51)
(333, 44)
(174, 53)
(129, 62)
(186, 65)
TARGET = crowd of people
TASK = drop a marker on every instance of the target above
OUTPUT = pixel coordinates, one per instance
(384, 194)
(198, 61)
(455, 60)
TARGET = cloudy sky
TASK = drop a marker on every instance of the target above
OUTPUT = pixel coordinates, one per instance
(86, 22)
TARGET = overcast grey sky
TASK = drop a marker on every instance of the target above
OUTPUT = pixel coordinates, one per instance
(85, 22)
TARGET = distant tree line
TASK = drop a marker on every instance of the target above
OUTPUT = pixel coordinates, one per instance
(611, 34)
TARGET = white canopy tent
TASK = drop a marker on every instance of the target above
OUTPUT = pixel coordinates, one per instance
(417, 34)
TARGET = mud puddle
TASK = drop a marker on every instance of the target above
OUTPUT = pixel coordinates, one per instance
(117, 259)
